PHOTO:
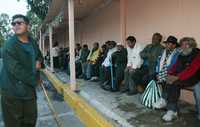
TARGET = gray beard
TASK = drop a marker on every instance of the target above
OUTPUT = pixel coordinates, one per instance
(186, 52)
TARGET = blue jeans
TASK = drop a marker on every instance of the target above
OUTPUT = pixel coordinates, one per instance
(197, 97)
(88, 71)
(84, 69)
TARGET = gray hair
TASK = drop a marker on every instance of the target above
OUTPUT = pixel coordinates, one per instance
(190, 41)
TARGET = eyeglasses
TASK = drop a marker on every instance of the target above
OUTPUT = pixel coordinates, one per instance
(17, 22)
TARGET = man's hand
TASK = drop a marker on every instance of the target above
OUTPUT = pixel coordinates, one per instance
(157, 77)
(129, 67)
(38, 65)
(171, 79)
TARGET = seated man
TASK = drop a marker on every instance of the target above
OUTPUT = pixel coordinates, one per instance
(92, 64)
(132, 72)
(77, 60)
(185, 72)
(102, 56)
(83, 59)
(119, 61)
(107, 63)
(150, 56)
(165, 61)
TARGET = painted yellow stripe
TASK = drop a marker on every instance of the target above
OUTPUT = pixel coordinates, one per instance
(87, 114)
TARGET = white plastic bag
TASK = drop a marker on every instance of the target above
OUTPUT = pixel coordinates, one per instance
(151, 94)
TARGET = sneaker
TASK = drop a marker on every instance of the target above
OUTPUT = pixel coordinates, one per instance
(124, 90)
(94, 78)
(161, 103)
(107, 88)
(170, 115)
(130, 93)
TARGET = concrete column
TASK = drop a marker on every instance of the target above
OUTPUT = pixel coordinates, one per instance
(123, 14)
(71, 45)
(51, 46)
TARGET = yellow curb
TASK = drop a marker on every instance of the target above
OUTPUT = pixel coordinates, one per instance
(87, 114)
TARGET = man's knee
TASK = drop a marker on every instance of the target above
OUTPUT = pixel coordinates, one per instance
(197, 89)
(126, 70)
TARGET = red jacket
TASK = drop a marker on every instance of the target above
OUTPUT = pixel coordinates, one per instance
(190, 69)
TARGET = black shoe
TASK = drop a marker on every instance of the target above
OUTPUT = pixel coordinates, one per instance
(81, 77)
(86, 79)
(124, 90)
(105, 83)
(130, 93)
(114, 90)
(107, 88)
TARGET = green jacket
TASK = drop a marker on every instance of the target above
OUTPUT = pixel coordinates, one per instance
(16, 77)
(84, 55)
(150, 55)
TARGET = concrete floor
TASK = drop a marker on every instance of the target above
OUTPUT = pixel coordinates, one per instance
(45, 117)
(127, 111)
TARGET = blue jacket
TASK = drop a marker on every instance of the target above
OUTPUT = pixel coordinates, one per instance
(174, 57)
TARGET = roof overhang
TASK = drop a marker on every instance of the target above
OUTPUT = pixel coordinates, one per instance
(82, 9)
(54, 9)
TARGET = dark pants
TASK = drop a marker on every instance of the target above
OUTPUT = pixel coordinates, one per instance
(56, 62)
(101, 75)
(119, 75)
(92, 70)
(19, 113)
(133, 78)
(107, 75)
(173, 92)
(111, 81)
(78, 69)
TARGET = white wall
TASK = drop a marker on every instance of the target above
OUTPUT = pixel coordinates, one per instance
(144, 17)
(169, 17)
(102, 26)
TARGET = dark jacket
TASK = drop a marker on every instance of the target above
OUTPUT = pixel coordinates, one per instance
(187, 67)
(84, 55)
(17, 78)
(150, 55)
(119, 58)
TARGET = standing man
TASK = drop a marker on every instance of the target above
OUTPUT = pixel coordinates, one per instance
(56, 53)
(21, 61)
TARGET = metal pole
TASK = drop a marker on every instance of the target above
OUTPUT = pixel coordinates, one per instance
(40, 45)
(55, 114)
(51, 46)
(71, 45)
(43, 45)
(123, 20)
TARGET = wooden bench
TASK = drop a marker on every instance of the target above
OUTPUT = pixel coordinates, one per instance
(187, 95)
